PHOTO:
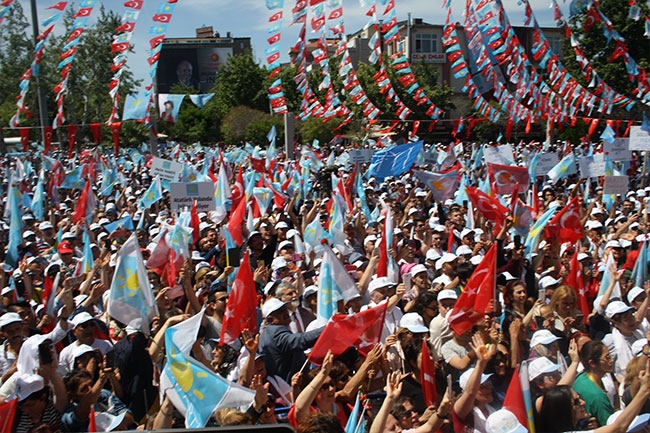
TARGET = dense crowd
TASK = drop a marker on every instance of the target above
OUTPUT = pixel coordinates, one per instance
(577, 313)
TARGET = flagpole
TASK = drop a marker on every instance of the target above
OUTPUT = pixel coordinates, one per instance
(42, 103)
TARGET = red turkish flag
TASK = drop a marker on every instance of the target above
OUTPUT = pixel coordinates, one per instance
(273, 39)
(126, 27)
(24, 137)
(119, 47)
(335, 14)
(59, 6)
(240, 311)
(115, 130)
(92, 425)
(162, 18)
(154, 42)
(428, 377)
(134, 4)
(236, 222)
(72, 138)
(195, 223)
(7, 414)
(238, 188)
(83, 12)
(82, 203)
(478, 296)
(574, 279)
(566, 226)
(276, 16)
(488, 206)
(505, 177)
(48, 138)
(96, 130)
(75, 34)
(514, 399)
(362, 330)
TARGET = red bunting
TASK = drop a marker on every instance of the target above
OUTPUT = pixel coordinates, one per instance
(96, 130)
(24, 137)
(115, 130)
(48, 131)
(72, 139)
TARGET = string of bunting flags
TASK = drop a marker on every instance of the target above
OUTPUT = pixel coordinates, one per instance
(34, 69)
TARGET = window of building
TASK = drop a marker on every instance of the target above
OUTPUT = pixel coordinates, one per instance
(555, 43)
(426, 43)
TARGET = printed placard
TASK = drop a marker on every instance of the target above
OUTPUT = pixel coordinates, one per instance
(183, 194)
(499, 154)
(546, 162)
(616, 185)
(360, 155)
(618, 150)
(593, 166)
(167, 170)
(639, 139)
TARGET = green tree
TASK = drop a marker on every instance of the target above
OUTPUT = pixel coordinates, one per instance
(16, 49)
(236, 123)
(599, 50)
(257, 131)
(239, 83)
(314, 128)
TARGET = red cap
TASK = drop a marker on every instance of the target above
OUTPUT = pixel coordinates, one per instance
(65, 247)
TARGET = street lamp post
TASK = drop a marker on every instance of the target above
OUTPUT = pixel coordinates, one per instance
(42, 101)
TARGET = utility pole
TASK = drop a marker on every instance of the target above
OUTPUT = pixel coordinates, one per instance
(42, 101)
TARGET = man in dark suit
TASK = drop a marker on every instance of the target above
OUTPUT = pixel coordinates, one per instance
(300, 316)
(282, 349)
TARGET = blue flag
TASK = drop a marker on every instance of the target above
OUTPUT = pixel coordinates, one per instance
(153, 194)
(124, 222)
(356, 420)
(88, 261)
(15, 228)
(130, 295)
(201, 100)
(394, 161)
(563, 168)
(38, 201)
(136, 106)
(640, 271)
(536, 231)
(73, 179)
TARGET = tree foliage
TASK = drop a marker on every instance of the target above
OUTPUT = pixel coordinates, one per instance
(240, 83)
(599, 50)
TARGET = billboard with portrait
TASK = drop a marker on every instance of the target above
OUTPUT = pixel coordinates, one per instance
(190, 64)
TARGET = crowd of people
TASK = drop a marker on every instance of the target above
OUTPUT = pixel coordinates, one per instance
(67, 365)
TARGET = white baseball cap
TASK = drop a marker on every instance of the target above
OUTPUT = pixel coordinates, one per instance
(446, 258)
(616, 307)
(447, 294)
(378, 283)
(462, 381)
(82, 317)
(106, 422)
(541, 366)
(637, 424)
(278, 263)
(543, 336)
(27, 385)
(9, 318)
(548, 281)
(272, 305)
(417, 269)
(504, 421)
(633, 293)
(413, 322)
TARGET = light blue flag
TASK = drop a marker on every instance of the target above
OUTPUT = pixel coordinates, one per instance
(640, 271)
(395, 160)
(608, 134)
(135, 106)
(88, 261)
(607, 279)
(361, 192)
(15, 227)
(314, 234)
(478, 158)
(195, 390)
(131, 296)
(609, 199)
(73, 179)
(356, 420)
(152, 195)
(109, 180)
(123, 223)
(272, 134)
(645, 125)
(536, 231)
(532, 166)
(336, 227)
(462, 197)
(563, 168)
(201, 100)
(38, 201)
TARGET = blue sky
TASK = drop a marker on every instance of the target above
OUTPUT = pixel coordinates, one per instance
(249, 18)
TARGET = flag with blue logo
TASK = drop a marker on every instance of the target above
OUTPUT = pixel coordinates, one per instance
(130, 296)
(88, 261)
(334, 284)
(196, 391)
(73, 179)
(608, 277)
(640, 271)
(563, 168)
(395, 160)
(313, 236)
(38, 200)
(608, 134)
(356, 420)
(263, 197)
(536, 231)
(152, 195)
(169, 106)
(15, 227)
(532, 166)
(201, 100)
(136, 106)
(442, 185)
(109, 179)
(125, 222)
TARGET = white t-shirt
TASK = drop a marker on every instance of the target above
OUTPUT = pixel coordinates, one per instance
(66, 357)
